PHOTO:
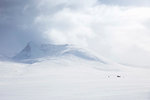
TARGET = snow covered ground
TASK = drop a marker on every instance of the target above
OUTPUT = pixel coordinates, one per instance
(73, 79)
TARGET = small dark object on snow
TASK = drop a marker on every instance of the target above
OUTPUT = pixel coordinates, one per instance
(118, 76)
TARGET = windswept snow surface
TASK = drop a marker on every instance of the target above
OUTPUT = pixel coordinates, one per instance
(73, 79)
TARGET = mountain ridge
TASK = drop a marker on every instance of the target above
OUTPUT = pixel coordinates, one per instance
(35, 50)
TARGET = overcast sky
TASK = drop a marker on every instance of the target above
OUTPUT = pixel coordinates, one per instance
(116, 29)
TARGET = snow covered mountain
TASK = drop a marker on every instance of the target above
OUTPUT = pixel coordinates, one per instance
(34, 51)
(61, 78)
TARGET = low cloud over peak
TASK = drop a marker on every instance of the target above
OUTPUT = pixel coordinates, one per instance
(117, 29)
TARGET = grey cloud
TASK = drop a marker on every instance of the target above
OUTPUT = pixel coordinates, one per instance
(16, 24)
(110, 28)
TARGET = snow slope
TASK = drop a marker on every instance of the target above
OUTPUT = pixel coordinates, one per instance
(73, 79)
